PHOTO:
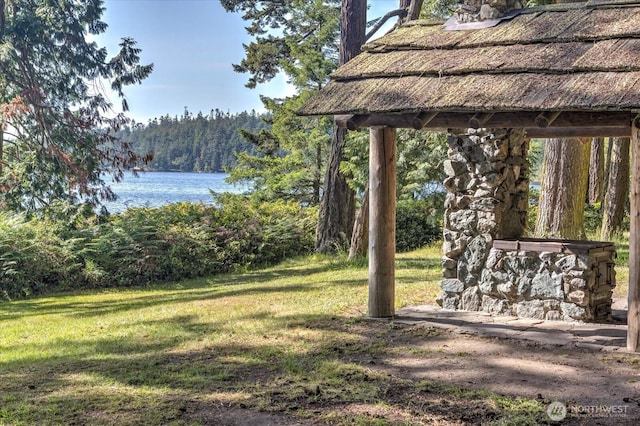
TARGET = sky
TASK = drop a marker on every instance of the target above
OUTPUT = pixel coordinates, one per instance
(192, 44)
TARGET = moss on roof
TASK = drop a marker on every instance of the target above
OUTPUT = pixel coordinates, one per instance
(565, 57)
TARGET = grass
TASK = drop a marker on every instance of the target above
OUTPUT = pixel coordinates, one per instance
(288, 340)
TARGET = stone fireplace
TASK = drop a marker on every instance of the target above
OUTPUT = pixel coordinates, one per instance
(488, 265)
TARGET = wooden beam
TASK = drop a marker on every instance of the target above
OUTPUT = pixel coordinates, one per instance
(422, 119)
(460, 120)
(350, 121)
(382, 221)
(479, 120)
(356, 122)
(633, 315)
(544, 119)
(578, 132)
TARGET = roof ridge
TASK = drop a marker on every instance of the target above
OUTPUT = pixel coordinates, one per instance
(590, 4)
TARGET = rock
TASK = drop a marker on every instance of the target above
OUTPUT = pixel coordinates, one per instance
(484, 168)
(487, 226)
(455, 168)
(481, 192)
(463, 220)
(490, 280)
(494, 259)
(439, 299)
(491, 180)
(472, 260)
(495, 306)
(578, 283)
(508, 290)
(571, 311)
(485, 204)
(470, 300)
(477, 155)
(464, 182)
(567, 263)
(530, 309)
(519, 265)
(449, 263)
(498, 4)
(553, 316)
(450, 301)
(547, 285)
(551, 305)
(452, 286)
(524, 286)
(463, 201)
(578, 297)
(449, 273)
(486, 283)
(451, 245)
(487, 12)
(450, 201)
(546, 257)
(450, 185)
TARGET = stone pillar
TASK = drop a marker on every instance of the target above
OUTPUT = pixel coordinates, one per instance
(488, 191)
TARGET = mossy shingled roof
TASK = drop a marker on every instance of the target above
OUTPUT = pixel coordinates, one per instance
(583, 56)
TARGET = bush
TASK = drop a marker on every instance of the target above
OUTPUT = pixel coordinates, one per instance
(146, 245)
(418, 222)
(33, 258)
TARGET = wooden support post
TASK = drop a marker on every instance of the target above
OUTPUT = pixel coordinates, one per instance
(382, 221)
(633, 315)
(479, 120)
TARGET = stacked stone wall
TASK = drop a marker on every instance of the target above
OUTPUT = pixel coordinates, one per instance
(488, 190)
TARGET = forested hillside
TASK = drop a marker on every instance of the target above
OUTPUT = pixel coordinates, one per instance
(194, 143)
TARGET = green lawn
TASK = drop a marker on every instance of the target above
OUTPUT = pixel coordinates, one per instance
(290, 340)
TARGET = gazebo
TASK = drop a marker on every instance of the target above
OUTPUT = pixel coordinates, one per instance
(568, 70)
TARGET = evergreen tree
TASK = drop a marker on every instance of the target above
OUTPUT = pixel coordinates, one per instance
(563, 189)
(58, 139)
(615, 199)
(299, 38)
(195, 143)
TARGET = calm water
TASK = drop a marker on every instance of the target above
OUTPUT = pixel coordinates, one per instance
(154, 189)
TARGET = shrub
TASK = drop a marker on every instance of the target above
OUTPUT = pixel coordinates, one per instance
(33, 258)
(418, 222)
(145, 245)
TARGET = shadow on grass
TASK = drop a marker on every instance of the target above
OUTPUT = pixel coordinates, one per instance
(302, 365)
(308, 366)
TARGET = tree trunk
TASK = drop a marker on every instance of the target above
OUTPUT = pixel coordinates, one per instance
(596, 170)
(607, 168)
(415, 7)
(360, 235)
(563, 189)
(317, 178)
(337, 209)
(615, 199)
